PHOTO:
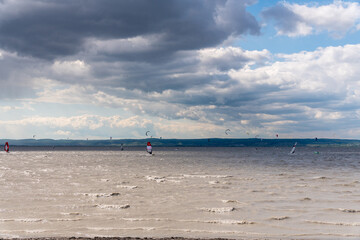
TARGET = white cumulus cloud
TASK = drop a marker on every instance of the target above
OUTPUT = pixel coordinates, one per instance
(336, 18)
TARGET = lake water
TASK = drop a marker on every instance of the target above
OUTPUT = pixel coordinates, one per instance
(188, 192)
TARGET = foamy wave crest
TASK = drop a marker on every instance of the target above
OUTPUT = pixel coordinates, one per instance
(114, 229)
(209, 231)
(335, 223)
(147, 219)
(40, 220)
(206, 176)
(232, 201)
(155, 178)
(36, 231)
(65, 220)
(73, 214)
(28, 220)
(219, 210)
(233, 222)
(349, 210)
(126, 186)
(213, 182)
(321, 178)
(115, 194)
(104, 206)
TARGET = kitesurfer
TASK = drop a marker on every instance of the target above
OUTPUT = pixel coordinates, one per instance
(149, 148)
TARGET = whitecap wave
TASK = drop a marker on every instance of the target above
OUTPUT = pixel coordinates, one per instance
(28, 220)
(155, 178)
(126, 186)
(206, 176)
(232, 222)
(114, 194)
(219, 210)
(106, 206)
(335, 223)
(349, 210)
(116, 229)
(233, 201)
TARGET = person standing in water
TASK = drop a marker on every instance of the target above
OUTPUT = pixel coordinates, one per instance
(149, 148)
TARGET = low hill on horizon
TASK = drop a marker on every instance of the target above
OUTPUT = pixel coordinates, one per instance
(205, 142)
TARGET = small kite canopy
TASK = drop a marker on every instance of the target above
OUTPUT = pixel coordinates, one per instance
(147, 133)
(227, 131)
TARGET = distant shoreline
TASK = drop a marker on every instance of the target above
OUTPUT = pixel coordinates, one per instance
(204, 142)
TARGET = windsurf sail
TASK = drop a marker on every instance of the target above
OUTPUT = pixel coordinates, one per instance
(149, 148)
(6, 147)
(293, 149)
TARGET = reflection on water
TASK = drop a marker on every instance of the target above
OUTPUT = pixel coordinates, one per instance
(191, 192)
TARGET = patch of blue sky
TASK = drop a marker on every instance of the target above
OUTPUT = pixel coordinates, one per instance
(270, 40)
(288, 45)
(261, 5)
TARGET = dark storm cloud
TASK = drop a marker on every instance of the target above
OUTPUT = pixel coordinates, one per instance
(16, 76)
(51, 29)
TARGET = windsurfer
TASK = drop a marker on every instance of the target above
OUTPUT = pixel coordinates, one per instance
(293, 149)
(6, 147)
(149, 148)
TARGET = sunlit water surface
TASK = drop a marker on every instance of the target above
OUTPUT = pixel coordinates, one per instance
(189, 192)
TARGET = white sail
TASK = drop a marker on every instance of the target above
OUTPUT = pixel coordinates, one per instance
(293, 149)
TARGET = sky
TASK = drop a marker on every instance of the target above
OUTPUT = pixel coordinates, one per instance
(89, 69)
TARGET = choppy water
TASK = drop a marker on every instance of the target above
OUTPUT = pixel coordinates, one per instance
(190, 192)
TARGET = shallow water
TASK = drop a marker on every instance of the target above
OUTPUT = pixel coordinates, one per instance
(190, 192)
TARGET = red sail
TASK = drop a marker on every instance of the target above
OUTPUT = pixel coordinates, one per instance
(6, 147)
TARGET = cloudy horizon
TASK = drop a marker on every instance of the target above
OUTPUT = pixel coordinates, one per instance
(179, 69)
